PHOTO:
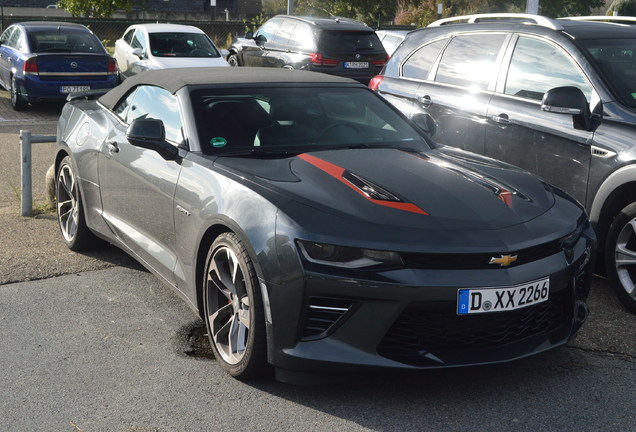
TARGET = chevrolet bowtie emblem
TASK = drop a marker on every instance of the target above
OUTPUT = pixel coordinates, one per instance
(504, 260)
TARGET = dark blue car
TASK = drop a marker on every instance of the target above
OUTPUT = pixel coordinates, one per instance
(45, 61)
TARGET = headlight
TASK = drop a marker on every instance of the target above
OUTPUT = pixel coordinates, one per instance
(569, 241)
(347, 257)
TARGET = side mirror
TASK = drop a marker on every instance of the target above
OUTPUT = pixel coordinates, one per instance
(425, 122)
(138, 52)
(249, 35)
(150, 134)
(225, 53)
(260, 38)
(568, 100)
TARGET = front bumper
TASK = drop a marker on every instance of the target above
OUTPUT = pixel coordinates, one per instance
(406, 319)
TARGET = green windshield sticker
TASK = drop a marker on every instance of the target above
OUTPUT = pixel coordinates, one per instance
(218, 142)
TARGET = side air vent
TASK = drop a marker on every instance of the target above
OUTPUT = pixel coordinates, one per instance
(324, 315)
(602, 153)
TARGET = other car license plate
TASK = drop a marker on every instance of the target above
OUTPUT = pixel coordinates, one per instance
(74, 89)
(483, 300)
(356, 65)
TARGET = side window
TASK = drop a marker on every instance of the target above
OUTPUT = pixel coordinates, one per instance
(419, 64)
(470, 60)
(157, 103)
(138, 40)
(303, 37)
(268, 30)
(284, 33)
(537, 66)
(121, 109)
(14, 39)
(4, 39)
(129, 36)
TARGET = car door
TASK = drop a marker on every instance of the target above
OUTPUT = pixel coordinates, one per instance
(520, 133)
(457, 97)
(137, 185)
(123, 50)
(256, 54)
(5, 52)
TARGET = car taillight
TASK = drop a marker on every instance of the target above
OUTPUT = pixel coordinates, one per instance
(380, 62)
(112, 66)
(375, 82)
(318, 60)
(31, 66)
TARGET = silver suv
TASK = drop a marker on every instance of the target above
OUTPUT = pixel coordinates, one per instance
(555, 97)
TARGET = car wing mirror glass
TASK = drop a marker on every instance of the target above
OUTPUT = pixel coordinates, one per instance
(249, 35)
(150, 134)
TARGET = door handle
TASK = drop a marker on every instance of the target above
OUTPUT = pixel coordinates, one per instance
(425, 101)
(501, 119)
(112, 147)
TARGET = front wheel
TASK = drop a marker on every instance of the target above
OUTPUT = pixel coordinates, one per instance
(620, 256)
(233, 60)
(233, 309)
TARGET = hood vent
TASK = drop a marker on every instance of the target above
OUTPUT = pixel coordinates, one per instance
(371, 190)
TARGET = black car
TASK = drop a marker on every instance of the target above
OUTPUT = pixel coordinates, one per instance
(314, 228)
(337, 46)
(555, 97)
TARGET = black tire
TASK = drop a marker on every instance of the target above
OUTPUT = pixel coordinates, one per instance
(620, 256)
(17, 100)
(233, 309)
(233, 60)
(70, 211)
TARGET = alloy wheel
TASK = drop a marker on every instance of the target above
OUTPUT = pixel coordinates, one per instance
(625, 258)
(67, 203)
(229, 305)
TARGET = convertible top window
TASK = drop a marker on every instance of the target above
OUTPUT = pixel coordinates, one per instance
(298, 119)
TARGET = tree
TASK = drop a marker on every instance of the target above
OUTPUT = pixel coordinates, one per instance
(550, 8)
(623, 7)
(95, 8)
(369, 11)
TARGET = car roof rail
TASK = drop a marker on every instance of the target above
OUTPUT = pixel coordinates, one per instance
(616, 19)
(498, 17)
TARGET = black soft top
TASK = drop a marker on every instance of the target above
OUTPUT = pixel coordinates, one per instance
(176, 78)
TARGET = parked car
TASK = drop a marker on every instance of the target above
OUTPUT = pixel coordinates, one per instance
(555, 97)
(158, 46)
(391, 39)
(336, 46)
(45, 61)
(314, 228)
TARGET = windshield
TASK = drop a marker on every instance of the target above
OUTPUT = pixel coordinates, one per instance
(63, 40)
(616, 59)
(182, 45)
(298, 119)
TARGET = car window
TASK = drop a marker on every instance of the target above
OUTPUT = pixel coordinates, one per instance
(129, 36)
(138, 40)
(157, 103)
(470, 60)
(616, 59)
(302, 37)
(62, 40)
(419, 64)
(6, 36)
(180, 44)
(285, 31)
(298, 119)
(537, 66)
(350, 41)
(268, 30)
(122, 107)
(15, 38)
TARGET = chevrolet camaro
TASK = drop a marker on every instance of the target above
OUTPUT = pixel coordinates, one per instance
(315, 229)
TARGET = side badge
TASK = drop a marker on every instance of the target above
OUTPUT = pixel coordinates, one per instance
(182, 210)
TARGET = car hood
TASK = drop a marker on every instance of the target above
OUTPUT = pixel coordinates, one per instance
(437, 190)
(185, 62)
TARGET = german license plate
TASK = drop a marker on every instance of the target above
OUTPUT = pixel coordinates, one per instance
(484, 300)
(356, 65)
(74, 89)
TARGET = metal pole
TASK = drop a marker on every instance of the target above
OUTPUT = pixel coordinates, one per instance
(27, 191)
(290, 7)
(532, 7)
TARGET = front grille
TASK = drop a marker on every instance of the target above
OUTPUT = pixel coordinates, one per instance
(322, 316)
(435, 327)
(478, 261)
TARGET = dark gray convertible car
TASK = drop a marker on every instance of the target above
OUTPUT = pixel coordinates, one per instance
(314, 228)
